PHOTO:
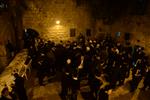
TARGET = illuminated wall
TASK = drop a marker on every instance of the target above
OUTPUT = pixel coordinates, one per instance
(43, 14)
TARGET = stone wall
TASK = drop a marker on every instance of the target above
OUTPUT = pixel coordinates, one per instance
(6, 33)
(136, 25)
(43, 14)
(10, 29)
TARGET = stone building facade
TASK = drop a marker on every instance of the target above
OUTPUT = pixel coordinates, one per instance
(42, 16)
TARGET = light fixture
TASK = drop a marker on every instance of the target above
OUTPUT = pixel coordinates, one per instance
(57, 22)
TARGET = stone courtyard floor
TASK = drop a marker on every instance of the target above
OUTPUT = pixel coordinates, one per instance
(52, 89)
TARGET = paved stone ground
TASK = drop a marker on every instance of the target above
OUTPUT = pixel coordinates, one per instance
(52, 89)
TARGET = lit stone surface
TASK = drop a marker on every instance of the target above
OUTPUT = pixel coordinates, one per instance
(42, 15)
(6, 77)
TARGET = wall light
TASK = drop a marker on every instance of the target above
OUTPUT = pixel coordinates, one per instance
(57, 22)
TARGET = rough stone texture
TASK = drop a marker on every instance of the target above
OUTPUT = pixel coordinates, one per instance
(6, 33)
(130, 24)
(138, 26)
(42, 15)
(10, 28)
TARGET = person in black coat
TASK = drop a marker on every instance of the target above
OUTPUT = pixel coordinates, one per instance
(147, 80)
(135, 80)
(10, 49)
(75, 86)
(66, 80)
(19, 87)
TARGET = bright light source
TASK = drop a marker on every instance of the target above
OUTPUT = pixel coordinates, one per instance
(57, 22)
(25, 30)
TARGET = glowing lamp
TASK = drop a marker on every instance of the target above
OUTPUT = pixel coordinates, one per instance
(57, 22)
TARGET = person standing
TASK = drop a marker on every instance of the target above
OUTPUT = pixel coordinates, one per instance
(147, 80)
(10, 49)
(66, 81)
(19, 87)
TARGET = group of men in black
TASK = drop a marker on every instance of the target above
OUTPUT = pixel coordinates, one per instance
(105, 64)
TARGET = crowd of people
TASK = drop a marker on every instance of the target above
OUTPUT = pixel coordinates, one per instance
(105, 63)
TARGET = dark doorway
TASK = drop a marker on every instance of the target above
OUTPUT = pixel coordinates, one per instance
(72, 32)
(88, 32)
